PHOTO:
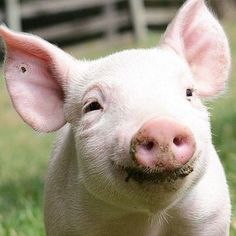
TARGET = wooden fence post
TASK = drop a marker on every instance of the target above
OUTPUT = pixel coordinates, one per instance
(13, 14)
(138, 19)
(109, 12)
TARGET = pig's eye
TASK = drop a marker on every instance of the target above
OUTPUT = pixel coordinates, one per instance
(189, 93)
(92, 106)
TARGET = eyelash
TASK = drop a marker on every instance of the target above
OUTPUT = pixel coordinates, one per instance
(92, 106)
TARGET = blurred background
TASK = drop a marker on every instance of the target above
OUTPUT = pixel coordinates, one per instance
(75, 21)
(90, 29)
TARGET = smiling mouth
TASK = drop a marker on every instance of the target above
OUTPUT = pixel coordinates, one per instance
(155, 176)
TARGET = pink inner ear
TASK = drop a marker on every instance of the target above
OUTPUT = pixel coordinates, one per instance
(34, 92)
(197, 36)
(36, 73)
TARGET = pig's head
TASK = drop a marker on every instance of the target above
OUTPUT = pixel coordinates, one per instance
(141, 131)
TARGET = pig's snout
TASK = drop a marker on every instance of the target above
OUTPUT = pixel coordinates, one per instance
(162, 144)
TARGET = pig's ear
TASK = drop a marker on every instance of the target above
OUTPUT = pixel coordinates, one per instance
(36, 75)
(197, 35)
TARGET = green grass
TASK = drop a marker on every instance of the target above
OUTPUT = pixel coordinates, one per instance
(24, 153)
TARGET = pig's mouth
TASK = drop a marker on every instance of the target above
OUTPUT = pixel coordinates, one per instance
(155, 176)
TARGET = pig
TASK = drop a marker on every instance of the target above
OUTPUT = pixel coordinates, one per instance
(133, 153)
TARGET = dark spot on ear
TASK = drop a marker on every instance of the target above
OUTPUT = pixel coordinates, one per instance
(23, 69)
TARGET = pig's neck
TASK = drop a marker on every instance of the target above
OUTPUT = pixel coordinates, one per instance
(106, 219)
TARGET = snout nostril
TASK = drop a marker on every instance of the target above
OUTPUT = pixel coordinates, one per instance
(179, 140)
(148, 146)
(162, 143)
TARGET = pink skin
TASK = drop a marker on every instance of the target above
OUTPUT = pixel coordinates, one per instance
(46, 86)
(36, 72)
(163, 143)
(201, 44)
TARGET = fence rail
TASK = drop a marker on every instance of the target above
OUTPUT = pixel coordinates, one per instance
(79, 18)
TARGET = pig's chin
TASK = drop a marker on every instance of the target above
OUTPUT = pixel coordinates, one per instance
(154, 176)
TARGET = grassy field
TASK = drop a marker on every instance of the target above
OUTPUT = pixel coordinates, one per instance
(24, 154)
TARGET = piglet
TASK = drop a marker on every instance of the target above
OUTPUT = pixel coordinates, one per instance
(134, 154)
